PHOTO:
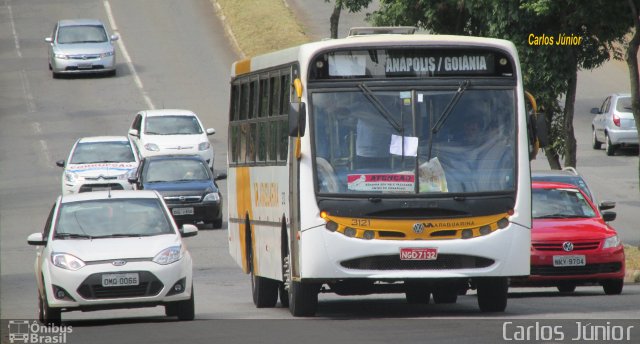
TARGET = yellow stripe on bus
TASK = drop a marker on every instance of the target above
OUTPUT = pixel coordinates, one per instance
(243, 197)
(243, 66)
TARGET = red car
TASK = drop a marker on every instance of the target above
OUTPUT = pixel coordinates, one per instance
(571, 241)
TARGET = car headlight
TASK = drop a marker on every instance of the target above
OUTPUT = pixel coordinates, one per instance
(152, 147)
(61, 56)
(169, 255)
(212, 197)
(72, 177)
(129, 174)
(66, 261)
(612, 241)
(107, 54)
(204, 146)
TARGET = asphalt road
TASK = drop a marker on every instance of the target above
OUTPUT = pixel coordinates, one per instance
(178, 57)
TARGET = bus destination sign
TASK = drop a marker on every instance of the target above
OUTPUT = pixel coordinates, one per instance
(420, 63)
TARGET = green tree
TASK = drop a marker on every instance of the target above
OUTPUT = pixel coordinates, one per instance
(549, 71)
(631, 57)
(352, 5)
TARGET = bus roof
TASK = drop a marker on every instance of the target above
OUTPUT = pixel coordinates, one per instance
(306, 51)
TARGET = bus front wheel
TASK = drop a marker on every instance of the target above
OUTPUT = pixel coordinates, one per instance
(492, 293)
(303, 299)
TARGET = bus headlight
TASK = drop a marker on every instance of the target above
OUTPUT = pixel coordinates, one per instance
(369, 235)
(350, 232)
(484, 230)
(331, 226)
(467, 233)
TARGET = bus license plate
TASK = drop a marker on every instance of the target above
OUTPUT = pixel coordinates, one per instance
(418, 253)
(182, 211)
(569, 260)
(120, 280)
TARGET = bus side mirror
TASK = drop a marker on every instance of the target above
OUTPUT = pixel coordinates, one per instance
(297, 119)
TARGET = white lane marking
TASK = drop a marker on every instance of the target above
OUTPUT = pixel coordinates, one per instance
(26, 90)
(13, 27)
(45, 152)
(127, 57)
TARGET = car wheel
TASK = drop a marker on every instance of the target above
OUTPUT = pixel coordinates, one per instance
(492, 294)
(171, 309)
(416, 293)
(217, 224)
(609, 148)
(49, 315)
(55, 75)
(186, 309)
(613, 287)
(566, 288)
(112, 73)
(595, 143)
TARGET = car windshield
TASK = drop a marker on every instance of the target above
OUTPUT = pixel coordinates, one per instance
(112, 218)
(405, 141)
(624, 104)
(175, 170)
(81, 34)
(172, 125)
(93, 152)
(560, 204)
(575, 180)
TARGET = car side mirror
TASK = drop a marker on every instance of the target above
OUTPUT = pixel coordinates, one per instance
(595, 111)
(132, 180)
(609, 216)
(220, 176)
(36, 239)
(134, 132)
(48, 39)
(60, 163)
(114, 37)
(188, 230)
(606, 205)
(211, 131)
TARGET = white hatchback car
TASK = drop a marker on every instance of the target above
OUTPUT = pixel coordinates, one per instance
(170, 132)
(98, 163)
(109, 250)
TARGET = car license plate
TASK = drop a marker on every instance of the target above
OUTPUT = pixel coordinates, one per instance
(100, 188)
(85, 65)
(569, 260)
(120, 280)
(182, 211)
(418, 253)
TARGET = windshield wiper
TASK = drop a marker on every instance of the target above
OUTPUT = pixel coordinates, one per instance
(72, 236)
(445, 113)
(373, 99)
(560, 216)
(119, 235)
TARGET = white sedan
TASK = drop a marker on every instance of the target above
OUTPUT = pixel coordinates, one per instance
(113, 249)
(98, 163)
(170, 132)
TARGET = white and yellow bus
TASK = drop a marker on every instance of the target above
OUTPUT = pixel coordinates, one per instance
(380, 163)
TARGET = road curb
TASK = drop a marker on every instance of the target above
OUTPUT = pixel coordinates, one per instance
(227, 28)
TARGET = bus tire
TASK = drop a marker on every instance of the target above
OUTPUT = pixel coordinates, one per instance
(264, 291)
(303, 299)
(284, 295)
(417, 293)
(492, 293)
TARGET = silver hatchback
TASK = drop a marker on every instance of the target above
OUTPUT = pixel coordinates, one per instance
(613, 124)
(81, 46)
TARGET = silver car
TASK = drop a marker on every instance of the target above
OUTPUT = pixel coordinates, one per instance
(613, 124)
(81, 46)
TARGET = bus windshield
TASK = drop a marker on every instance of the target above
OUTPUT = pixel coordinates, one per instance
(414, 141)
